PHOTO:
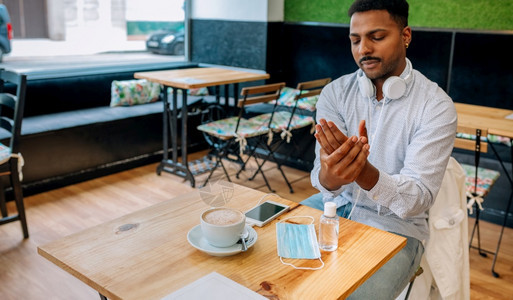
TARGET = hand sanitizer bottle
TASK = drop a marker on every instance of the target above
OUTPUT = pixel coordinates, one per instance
(328, 228)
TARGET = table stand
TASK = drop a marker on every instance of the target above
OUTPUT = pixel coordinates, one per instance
(184, 169)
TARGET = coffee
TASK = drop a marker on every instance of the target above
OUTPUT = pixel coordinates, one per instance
(223, 216)
(222, 226)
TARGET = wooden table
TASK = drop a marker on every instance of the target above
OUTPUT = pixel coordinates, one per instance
(145, 255)
(488, 117)
(185, 79)
(499, 122)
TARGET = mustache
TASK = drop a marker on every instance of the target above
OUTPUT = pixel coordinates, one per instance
(368, 58)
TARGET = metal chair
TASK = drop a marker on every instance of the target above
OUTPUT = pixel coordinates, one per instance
(229, 136)
(412, 280)
(11, 115)
(479, 181)
(285, 120)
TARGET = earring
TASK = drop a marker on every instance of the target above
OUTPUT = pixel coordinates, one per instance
(407, 45)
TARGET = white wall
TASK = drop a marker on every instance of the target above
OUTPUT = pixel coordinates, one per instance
(238, 10)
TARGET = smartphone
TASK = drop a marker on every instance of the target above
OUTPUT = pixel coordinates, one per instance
(265, 212)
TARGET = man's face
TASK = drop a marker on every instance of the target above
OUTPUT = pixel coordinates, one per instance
(378, 44)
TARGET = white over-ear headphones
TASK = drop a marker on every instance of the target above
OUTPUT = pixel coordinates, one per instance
(393, 88)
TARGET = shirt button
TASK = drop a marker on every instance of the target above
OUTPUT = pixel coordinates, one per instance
(375, 197)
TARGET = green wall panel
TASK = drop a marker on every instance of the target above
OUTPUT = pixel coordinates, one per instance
(460, 14)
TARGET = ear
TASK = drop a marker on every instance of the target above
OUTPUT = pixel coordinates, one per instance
(406, 35)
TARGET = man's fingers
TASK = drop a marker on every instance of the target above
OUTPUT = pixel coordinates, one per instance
(339, 136)
(339, 155)
(362, 129)
(353, 162)
(351, 149)
(323, 141)
(330, 137)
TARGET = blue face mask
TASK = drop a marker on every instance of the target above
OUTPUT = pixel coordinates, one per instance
(297, 241)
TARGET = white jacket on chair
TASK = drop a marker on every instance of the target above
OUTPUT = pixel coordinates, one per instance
(446, 257)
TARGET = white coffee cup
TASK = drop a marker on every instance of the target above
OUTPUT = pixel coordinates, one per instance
(222, 226)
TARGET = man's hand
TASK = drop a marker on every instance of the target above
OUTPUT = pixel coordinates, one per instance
(330, 137)
(342, 159)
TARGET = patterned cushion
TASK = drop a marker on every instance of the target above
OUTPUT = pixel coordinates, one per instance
(287, 96)
(287, 99)
(225, 128)
(308, 103)
(133, 92)
(486, 178)
(281, 120)
(5, 153)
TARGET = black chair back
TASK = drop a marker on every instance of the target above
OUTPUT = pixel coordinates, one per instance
(12, 106)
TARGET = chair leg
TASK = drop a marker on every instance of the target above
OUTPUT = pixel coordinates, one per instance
(479, 249)
(472, 234)
(243, 167)
(259, 165)
(417, 274)
(409, 290)
(225, 172)
(270, 154)
(278, 165)
(267, 182)
(219, 161)
(210, 174)
(18, 197)
(283, 174)
(3, 207)
(495, 274)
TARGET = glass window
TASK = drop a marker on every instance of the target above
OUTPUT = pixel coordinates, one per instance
(96, 27)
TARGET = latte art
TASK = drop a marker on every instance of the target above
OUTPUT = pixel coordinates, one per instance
(223, 216)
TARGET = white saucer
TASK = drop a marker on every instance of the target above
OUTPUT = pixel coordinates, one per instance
(196, 239)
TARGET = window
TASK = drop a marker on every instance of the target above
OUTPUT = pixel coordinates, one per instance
(85, 27)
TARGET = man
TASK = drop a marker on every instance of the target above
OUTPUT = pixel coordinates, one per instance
(384, 137)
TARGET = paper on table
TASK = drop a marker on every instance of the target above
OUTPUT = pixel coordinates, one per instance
(214, 286)
(510, 117)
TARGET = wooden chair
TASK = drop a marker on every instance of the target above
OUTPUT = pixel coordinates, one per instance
(286, 120)
(230, 136)
(479, 181)
(11, 115)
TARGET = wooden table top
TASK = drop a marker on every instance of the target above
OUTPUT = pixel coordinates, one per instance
(487, 117)
(146, 255)
(200, 77)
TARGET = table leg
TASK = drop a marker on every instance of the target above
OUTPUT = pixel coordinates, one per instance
(226, 96)
(185, 164)
(170, 122)
(169, 118)
(174, 126)
(236, 93)
(165, 130)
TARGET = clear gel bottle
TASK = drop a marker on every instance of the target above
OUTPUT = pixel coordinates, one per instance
(328, 228)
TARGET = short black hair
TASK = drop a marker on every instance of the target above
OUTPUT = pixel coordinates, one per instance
(398, 9)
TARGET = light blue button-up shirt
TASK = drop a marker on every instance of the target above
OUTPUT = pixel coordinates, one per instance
(411, 139)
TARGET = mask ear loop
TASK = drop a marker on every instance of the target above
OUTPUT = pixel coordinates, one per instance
(303, 268)
(292, 265)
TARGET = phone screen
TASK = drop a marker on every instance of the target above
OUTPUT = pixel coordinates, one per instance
(264, 211)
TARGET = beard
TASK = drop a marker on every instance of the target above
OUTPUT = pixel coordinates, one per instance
(384, 72)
